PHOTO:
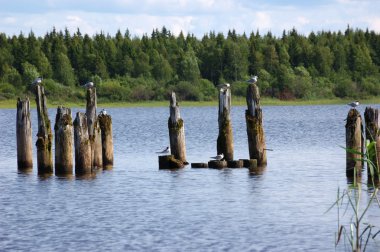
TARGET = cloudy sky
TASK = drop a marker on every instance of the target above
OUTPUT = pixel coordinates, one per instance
(190, 16)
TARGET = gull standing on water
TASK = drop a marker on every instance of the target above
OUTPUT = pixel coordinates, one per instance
(218, 157)
(37, 81)
(252, 80)
(353, 104)
(165, 151)
(89, 84)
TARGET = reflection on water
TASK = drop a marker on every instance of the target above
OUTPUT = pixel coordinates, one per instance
(137, 207)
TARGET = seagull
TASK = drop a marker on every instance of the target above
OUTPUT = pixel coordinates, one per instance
(89, 84)
(353, 104)
(218, 157)
(164, 151)
(252, 80)
(37, 81)
(103, 112)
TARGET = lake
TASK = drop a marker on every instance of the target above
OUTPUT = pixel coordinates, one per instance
(137, 207)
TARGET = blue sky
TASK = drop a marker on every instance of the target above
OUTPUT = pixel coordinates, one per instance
(190, 16)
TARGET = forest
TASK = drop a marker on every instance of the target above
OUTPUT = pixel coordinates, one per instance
(324, 64)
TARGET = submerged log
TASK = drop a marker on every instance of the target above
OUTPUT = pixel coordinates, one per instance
(169, 162)
(24, 135)
(83, 158)
(225, 143)
(354, 144)
(105, 123)
(176, 131)
(63, 129)
(44, 135)
(199, 165)
(372, 125)
(235, 164)
(255, 127)
(93, 128)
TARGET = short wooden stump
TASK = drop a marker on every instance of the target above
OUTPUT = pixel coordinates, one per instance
(199, 165)
(235, 164)
(169, 162)
(249, 163)
(217, 164)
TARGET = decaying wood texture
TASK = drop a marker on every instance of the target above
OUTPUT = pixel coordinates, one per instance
(44, 135)
(354, 143)
(63, 129)
(169, 162)
(24, 135)
(372, 124)
(105, 123)
(255, 127)
(93, 128)
(83, 158)
(176, 131)
(225, 140)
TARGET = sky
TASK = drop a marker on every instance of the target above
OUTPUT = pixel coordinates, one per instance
(197, 17)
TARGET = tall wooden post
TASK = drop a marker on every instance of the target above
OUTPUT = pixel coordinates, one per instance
(63, 129)
(93, 128)
(255, 126)
(24, 135)
(176, 131)
(225, 140)
(372, 125)
(83, 158)
(354, 142)
(105, 123)
(44, 135)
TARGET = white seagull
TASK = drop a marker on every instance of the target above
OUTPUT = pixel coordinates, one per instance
(223, 87)
(252, 80)
(353, 104)
(37, 81)
(218, 157)
(89, 84)
(103, 112)
(164, 151)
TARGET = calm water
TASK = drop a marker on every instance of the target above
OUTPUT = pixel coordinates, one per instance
(136, 207)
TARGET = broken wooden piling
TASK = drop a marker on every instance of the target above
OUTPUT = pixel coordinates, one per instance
(225, 143)
(63, 129)
(372, 125)
(93, 128)
(176, 131)
(354, 143)
(105, 123)
(83, 158)
(44, 135)
(169, 162)
(24, 135)
(255, 127)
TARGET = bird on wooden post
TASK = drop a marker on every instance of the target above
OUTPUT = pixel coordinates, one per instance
(88, 85)
(164, 151)
(252, 80)
(218, 157)
(103, 112)
(353, 104)
(37, 81)
(223, 87)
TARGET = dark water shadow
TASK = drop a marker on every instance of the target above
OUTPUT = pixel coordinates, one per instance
(44, 176)
(258, 171)
(89, 176)
(25, 171)
(68, 176)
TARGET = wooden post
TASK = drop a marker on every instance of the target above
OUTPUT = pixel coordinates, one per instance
(24, 135)
(44, 135)
(176, 131)
(83, 158)
(255, 127)
(225, 143)
(63, 129)
(169, 162)
(354, 141)
(372, 125)
(98, 156)
(105, 122)
(93, 129)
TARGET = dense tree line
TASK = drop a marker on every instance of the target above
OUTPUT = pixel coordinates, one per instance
(126, 68)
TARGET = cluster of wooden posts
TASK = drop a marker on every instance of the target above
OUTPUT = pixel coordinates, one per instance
(355, 142)
(225, 146)
(92, 138)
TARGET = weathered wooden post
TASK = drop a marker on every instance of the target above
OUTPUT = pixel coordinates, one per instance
(83, 158)
(44, 135)
(24, 135)
(176, 131)
(354, 142)
(255, 127)
(372, 125)
(225, 143)
(105, 122)
(63, 129)
(93, 128)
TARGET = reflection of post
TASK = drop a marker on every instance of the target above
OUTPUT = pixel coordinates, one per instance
(93, 128)
(372, 124)
(176, 131)
(44, 135)
(255, 127)
(83, 157)
(354, 143)
(63, 141)
(24, 135)
(225, 143)
(105, 122)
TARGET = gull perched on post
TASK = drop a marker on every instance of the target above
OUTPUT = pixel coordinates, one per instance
(353, 104)
(218, 157)
(252, 80)
(223, 87)
(88, 85)
(37, 81)
(103, 112)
